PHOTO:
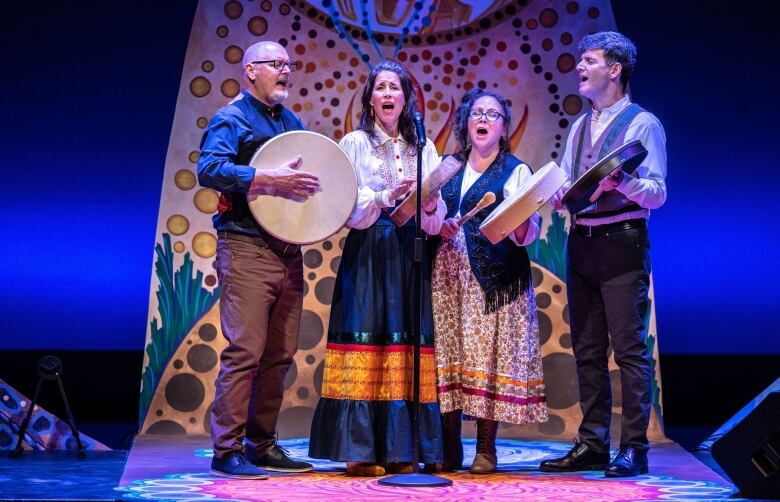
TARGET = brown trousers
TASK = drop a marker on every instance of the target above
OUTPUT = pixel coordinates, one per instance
(260, 312)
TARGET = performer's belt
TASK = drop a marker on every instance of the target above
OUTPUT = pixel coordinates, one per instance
(269, 242)
(590, 230)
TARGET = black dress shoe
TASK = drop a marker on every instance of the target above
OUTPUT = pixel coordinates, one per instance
(235, 465)
(582, 457)
(629, 461)
(277, 460)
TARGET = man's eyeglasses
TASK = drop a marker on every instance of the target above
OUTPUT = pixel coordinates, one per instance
(491, 115)
(278, 64)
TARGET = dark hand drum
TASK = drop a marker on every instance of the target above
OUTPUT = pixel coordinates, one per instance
(583, 192)
(514, 210)
(313, 219)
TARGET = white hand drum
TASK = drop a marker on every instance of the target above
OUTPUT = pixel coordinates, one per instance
(514, 210)
(298, 220)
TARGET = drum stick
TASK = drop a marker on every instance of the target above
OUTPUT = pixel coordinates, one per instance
(596, 194)
(484, 202)
(599, 190)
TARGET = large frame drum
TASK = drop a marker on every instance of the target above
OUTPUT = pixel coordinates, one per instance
(315, 218)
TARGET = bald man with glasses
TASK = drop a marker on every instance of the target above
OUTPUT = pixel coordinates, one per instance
(260, 276)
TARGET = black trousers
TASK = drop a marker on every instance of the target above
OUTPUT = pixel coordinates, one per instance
(608, 282)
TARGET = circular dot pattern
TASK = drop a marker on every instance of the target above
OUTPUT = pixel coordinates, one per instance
(565, 63)
(177, 224)
(184, 179)
(200, 86)
(201, 358)
(572, 104)
(206, 200)
(257, 26)
(207, 332)
(184, 392)
(323, 290)
(234, 54)
(312, 258)
(233, 9)
(553, 426)
(559, 373)
(545, 327)
(230, 88)
(204, 244)
(312, 330)
(167, 428)
(543, 300)
(537, 276)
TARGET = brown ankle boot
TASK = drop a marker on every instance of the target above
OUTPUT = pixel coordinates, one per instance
(485, 461)
(453, 446)
(364, 469)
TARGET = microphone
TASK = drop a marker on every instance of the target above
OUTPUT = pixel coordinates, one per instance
(420, 128)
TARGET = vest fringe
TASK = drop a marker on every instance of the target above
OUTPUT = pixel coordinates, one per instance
(504, 295)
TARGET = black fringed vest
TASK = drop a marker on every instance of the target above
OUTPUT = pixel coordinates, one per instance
(503, 270)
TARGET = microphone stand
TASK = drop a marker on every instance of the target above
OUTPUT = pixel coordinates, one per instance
(416, 478)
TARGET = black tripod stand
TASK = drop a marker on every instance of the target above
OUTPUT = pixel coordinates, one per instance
(49, 368)
(416, 478)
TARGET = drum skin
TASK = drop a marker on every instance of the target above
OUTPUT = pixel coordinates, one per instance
(308, 220)
(628, 157)
(514, 210)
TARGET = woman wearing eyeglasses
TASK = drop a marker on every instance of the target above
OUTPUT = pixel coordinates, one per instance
(362, 417)
(488, 358)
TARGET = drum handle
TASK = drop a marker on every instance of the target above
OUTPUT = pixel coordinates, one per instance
(593, 198)
(484, 202)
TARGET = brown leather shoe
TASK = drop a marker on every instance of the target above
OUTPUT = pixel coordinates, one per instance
(485, 461)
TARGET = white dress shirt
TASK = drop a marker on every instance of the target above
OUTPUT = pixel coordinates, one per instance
(380, 167)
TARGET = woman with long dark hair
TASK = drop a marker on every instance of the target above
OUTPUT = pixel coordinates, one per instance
(488, 358)
(363, 417)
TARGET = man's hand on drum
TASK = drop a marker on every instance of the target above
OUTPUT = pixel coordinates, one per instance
(401, 189)
(286, 179)
(612, 180)
(449, 228)
(557, 199)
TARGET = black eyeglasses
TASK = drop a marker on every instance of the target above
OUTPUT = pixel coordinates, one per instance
(491, 115)
(278, 64)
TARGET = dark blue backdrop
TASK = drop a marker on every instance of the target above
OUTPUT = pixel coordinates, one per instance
(88, 96)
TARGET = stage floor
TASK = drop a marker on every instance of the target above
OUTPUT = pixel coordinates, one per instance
(176, 468)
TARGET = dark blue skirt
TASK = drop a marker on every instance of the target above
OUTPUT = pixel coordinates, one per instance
(374, 310)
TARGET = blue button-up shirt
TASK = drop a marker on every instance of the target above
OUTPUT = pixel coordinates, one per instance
(231, 139)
